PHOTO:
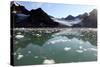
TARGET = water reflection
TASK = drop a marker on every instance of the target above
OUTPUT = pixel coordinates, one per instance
(54, 46)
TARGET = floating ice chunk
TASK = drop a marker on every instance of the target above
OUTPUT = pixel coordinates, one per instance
(20, 56)
(93, 49)
(79, 51)
(15, 53)
(48, 61)
(67, 48)
(81, 35)
(80, 47)
(19, 33)
(84, 49)
(29, 52)
(38, 35)
(36, 57)
(19, 36)
(48, 31)
(59, 40)
(53, 42)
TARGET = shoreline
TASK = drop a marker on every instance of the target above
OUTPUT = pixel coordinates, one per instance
(83, 29)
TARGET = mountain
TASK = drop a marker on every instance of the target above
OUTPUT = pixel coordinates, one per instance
(38, 18)
(22, 18)
(16, 11)
(70, 17)
(17, 8)
(90, 20)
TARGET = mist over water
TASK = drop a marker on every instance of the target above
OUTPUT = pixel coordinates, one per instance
(68, 23)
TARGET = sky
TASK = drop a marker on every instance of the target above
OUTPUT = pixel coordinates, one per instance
(58, 10)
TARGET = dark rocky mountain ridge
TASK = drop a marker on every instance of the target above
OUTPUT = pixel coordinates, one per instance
(34, 18)
(22, 18)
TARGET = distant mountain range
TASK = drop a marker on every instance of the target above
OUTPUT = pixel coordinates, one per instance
(22, 18)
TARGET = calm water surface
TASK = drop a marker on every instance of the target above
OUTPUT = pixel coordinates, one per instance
(51, 46)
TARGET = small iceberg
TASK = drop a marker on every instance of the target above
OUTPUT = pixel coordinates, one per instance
(38, 35)
(79, 51)
(80, 47)
(48, 61)
(20, 56)
(67, 48)
(19, 36)
(93, 49)
(36, 57)
(29, 52)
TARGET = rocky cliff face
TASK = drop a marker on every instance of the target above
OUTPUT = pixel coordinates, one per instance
(90, 20)
(70, 17)
(39, 18)
(21, 17)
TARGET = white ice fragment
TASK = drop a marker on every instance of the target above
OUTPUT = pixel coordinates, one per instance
(48, 31)
(29, 51)
(15, 53)
(48, 61)
(19, 33)
(79, 51)
(67, 48)
(36, 57)
(20, 56)
(57, 41)
(80, 47)
(38, 35)
(84, 49)
(81, 35)
(19, 36)
(93, 49)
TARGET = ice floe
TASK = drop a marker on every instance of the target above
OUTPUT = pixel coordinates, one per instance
(48, 61)
(19, 33)
(36, 56)
(48, 31)
(19, 36)
(85, 49)
(20, 56)
(67, 48)
(29, 51)
(57, 41)
(38, 35)
(79, 51)
(80, 47)
(15, 53)
(93, 49)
